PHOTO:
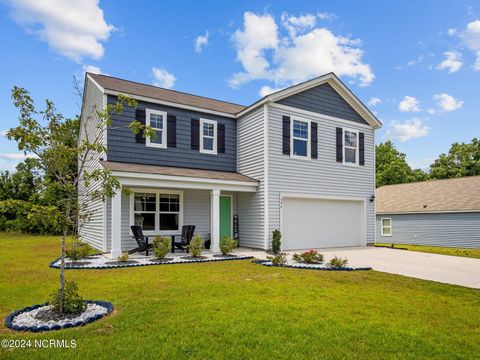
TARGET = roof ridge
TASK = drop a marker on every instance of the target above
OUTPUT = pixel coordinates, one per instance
(158, 87)
(431, 180)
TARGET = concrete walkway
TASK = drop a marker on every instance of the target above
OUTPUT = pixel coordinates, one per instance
(442, 268)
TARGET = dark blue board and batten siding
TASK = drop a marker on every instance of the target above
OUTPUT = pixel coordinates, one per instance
(323, 99)
(123, 148)
(460, 230)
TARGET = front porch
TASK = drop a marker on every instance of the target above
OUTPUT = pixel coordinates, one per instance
(161, 204)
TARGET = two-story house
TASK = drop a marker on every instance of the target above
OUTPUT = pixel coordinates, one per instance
(301, 160)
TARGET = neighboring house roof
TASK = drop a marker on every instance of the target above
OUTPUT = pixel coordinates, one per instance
(449, 195)
(114, 86)
(177, 171)
(154, 92)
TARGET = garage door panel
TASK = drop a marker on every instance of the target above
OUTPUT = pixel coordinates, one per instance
(314, 223)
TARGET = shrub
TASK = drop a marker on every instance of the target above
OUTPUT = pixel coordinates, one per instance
(276, 241)
(279, 259)
(309, 257)
(161, 246)
(196, 246)
(123, 257)
(73, 303)
(338, 262)
(78, 250)
(227, 244)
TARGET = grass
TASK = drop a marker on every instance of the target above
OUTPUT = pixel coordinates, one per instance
(471, 253)
(238, 309)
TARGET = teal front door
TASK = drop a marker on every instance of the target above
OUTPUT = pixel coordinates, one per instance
(225, 216)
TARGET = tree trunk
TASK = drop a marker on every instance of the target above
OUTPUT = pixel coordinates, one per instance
(62, 258)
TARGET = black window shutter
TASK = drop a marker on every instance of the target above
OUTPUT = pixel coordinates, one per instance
(221, 138)
(286, 135)
(195, 134)
(140, 117)
(314, 141)
(339, 144)
(171, 131)
(361, 148)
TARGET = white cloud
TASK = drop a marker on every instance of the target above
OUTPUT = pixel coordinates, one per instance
(451, 32)
(413, 128)
(409, 104)
(15, 156)
(298, 24)
(447, 102)
(453, 62)
(471, 39)
(423, 164)
(75, 29)
(431, 111)
(91, 69)
(419, 59)
(374, 101)
(326, 15)
(267, 90)
(201, 42)
(163, 78)
(4, 132)
(303, 53)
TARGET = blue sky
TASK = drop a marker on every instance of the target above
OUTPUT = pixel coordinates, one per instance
(416, 63)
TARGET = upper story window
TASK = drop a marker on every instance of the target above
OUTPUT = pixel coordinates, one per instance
(208, 136)
(350, 147)
(158, 121)
(386, 227)
(300, 140)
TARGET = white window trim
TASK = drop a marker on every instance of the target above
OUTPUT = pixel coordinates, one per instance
(309, 140)
(157, 193)
(163, 145)
(214, 123)
(356, 163)
(391, 227)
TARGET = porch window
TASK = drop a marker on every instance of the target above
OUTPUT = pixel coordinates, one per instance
(158, 211)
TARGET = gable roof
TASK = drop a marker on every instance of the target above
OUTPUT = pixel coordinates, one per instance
(335, 83)
(114, 85)
(449, 195)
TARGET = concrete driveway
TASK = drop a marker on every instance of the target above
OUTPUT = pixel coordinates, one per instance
(442, 268)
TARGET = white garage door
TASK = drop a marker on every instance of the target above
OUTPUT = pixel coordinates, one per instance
(314, 223)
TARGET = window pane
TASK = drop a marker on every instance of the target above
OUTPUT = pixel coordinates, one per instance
(207, 143)
(387, 231)
(144, 202)
(350, 139)
(300, 129)
(208, 129)
(145, 220)
(386, 222)
(156, 121)
(299, 147)
(158, 138)
(168, 222)
(350, 155)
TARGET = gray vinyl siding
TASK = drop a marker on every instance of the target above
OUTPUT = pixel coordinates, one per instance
(320, 177)
(460, 230)
(196, 211)
(123, 148)
(91, 231)
(323, 99)
(251, 162)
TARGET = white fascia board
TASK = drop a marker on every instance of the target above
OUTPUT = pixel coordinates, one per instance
(172, 104)
(155, 180)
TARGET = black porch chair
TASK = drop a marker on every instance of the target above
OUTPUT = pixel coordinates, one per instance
(187, 235)
(141, 239)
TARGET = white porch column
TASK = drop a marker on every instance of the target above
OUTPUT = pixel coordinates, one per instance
(215, 220)
(116, 248)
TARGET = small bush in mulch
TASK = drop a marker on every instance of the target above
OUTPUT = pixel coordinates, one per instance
(164, 260)
(338, 262)
(116, 262)
(161, 246)
(196, 246)
(227, 244)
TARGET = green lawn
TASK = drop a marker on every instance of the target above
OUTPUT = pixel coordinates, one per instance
(471, 253)
(238, 309)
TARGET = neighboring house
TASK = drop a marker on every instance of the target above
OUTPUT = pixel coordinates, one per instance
(437, 212)
(300, 160)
